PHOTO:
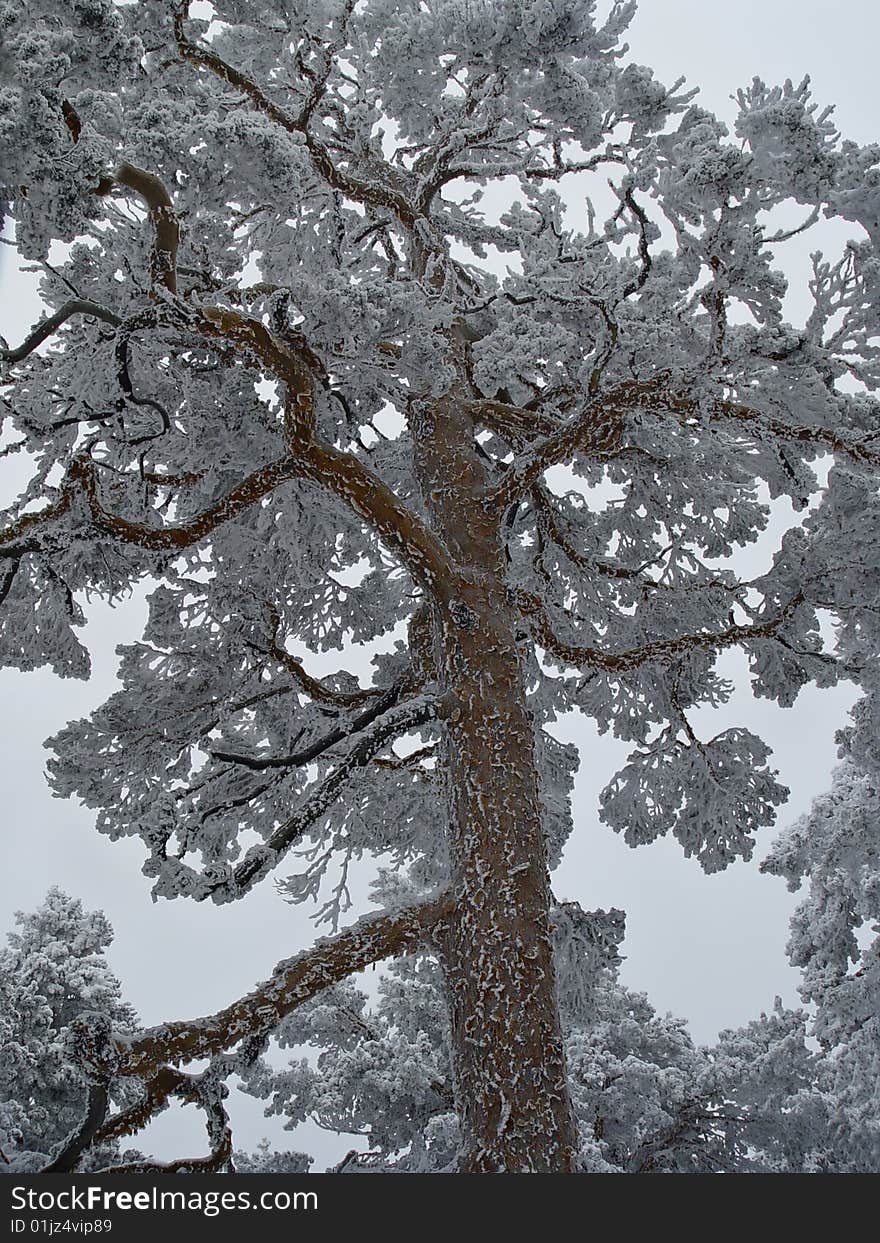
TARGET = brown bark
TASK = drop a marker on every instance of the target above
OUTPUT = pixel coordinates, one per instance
(509, 1069)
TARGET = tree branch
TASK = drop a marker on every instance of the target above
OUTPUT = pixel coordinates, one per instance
(76, 1144)
(342, 473)
(46, 327)
(171, 538)
(596, 431)
(658, 649)
(219, 1135)
(316, 689)
(166, 1082)
(368, 193)
(297, 759)
(259, 860)
(162, 217)
(293, 982)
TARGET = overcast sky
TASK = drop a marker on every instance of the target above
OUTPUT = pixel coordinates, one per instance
(708, 948)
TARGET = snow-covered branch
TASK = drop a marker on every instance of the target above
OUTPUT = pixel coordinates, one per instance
(372, 194)
(293, 982)
(46, 327)
(297, 759)
(261, 859)
(658, 650)
(596, 432)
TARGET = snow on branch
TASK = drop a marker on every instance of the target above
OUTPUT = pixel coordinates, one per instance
(149, 1055)
(658, 650)
(50, 325)
(294, 981)
(371, 194)
(597, 430)
(261, 859)
(23, 534)
(298, 758)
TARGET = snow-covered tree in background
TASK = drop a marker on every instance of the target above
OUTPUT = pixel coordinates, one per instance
(52, 971)
(342, 353)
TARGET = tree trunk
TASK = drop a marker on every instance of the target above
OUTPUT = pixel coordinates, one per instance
(508, 1062)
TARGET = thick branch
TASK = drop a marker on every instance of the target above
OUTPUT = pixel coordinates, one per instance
(86, 1135)
(171, 538)
(210, 1164)
(293, 982)
(46, 327)
(166, 1082)
(786, 431)
(513, 423)
(219, 1134)
(596, 431)
(162, 217)
(341, 473)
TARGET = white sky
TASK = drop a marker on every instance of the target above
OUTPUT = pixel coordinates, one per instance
(708, 948)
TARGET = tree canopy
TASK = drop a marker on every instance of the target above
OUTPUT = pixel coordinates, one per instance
(340, 352)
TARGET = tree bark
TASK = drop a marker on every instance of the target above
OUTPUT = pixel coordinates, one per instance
(507, 1052)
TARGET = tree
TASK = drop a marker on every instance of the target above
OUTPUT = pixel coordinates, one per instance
(52, 971)
(326, 334)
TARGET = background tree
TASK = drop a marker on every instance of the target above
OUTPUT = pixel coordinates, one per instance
(325, 329)
(52, 970)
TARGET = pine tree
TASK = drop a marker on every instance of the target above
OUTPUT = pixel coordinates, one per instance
(340, 352)
(52, 972)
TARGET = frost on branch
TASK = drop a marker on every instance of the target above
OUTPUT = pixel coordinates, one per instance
(713, 796)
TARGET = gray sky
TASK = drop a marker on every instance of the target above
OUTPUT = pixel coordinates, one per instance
(708, 948)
